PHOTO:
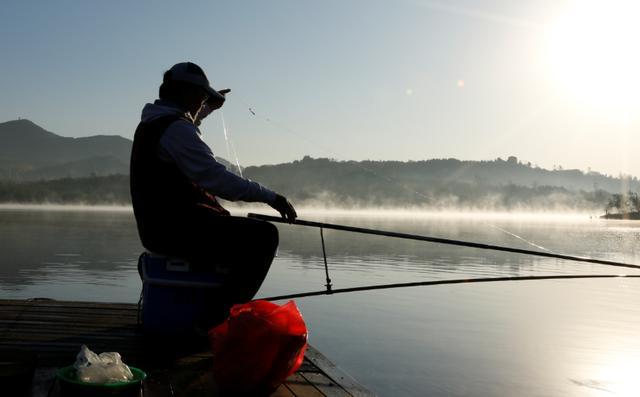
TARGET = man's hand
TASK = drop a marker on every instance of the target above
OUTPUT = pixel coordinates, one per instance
(284, 207)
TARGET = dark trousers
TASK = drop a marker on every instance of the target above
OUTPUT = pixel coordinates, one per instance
(241, 249)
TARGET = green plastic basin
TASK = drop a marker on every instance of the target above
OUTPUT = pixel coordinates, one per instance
(70, 386)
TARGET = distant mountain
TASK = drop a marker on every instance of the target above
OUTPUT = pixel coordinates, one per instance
(29, 152)
(396, 178)
(439, 183)
(81, 170)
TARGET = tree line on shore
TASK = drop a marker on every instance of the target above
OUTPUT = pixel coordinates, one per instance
(623, 203)
(359, 191)
(113, 189)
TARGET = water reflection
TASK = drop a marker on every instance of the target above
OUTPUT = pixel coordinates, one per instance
(552, 338)
(57, 254)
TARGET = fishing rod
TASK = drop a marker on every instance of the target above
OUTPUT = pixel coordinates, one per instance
(447, 282)
(439, 240)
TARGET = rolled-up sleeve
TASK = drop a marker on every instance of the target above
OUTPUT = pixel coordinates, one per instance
(181, 143)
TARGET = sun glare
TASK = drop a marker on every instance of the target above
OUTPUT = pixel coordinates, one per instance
(594, 54)
(619, 374)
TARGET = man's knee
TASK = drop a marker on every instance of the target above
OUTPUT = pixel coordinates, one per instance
(266, 233)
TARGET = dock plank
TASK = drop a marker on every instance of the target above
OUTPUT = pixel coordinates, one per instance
(43, 382)
(157, 384)
(325, 385)
(300, 386)
(284, 391)
(338, 376)
(54, 330)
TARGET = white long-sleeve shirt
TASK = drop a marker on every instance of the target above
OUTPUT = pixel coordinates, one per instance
(182, 144)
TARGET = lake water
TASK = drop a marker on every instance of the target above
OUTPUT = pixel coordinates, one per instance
(534, 338)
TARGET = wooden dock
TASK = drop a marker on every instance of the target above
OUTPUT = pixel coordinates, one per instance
(55, 330)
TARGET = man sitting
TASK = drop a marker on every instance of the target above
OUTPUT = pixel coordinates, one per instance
(175, 179)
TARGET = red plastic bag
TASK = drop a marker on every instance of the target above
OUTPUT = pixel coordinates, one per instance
(258, 347)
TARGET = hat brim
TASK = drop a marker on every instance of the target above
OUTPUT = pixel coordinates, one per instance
(214, 96)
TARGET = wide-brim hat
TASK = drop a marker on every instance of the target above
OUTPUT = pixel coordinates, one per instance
(189, 72)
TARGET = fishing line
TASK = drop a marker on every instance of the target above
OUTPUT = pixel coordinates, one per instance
(228, 142)
(328, 150)
(447, 282)
(226, 137)
(531, 243)
(233, 148)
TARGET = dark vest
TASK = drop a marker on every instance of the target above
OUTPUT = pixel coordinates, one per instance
(165, 201)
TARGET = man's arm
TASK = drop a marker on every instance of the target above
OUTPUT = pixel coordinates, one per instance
(182, 144)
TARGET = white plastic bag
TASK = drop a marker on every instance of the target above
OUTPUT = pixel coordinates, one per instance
(104, 368)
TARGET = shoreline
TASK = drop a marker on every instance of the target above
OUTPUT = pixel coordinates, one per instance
(627, 216)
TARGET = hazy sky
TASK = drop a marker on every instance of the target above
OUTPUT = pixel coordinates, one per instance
(552, 82)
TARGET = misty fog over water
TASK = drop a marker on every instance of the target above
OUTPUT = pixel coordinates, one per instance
(552, 338)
